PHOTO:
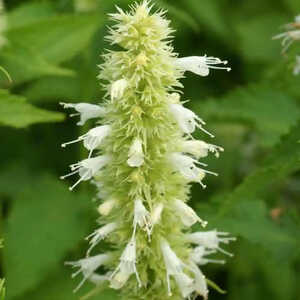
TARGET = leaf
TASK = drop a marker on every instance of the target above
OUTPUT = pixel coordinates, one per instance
(15, 112)
(57, 38)
(242, 212)
(24, 63)
(268, 110)
(29, 13)
(45, 222)
(59, 286)
(260, 47)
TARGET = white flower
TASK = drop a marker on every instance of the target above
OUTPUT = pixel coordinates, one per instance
(200, 285)
(98, 279)
(174, 266)
(297, 65)
(211, 239)
(200, 149)
(93, 138)
(187, 167)
(136, 155)
(185, 283)
(87, 266)
(156, 213)
(86, 111)
(187, 120)
(87, 168)
(118, 88)
(187, 214)
(126, 267)
(200, 65)
(198, 256)
(288, 38)
(100, 234)
(106, 207)
(141, 218)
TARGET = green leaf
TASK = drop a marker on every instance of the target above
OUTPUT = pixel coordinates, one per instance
(243, 213)
(45, 222)
(25, 63)
(260, 47)
(59, 286)
(267, 110)
(16, 112)
(29, 13)
(57, 38)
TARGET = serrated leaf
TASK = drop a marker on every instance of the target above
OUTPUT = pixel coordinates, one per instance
(243, 213)
(16, 112)
(57, 38)
(267, 110)
(45, 222)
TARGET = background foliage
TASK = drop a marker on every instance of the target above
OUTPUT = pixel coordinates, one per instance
(52, 53)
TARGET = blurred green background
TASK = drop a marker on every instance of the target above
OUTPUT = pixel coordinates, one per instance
(52, 52)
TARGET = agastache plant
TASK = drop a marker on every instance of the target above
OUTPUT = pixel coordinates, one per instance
(142, 158)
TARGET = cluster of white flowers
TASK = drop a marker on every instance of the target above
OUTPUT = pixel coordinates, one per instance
(291, 35)
(183, 162)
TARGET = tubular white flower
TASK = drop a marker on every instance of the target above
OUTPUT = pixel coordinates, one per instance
(87, 266)
(126, 267)
(100, 234)
(200, 149)
(93, 138)
(106, 207)
(185, 283)
(136, 155)
(118, 88)
(187, 214)
(296, 70)
(141, 218)
(187, 120)
(210, 239)
(200, 65)
(187, 167)
(87, 168)
(156, 214)
(198, 256)
(174, 266)
(86, 111)
(200, 281)
(98, 279)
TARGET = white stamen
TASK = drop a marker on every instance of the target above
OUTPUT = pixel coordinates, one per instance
(87, 111)
(141, 218)
(200, 149)
(88, 266)
(187, 120)
(187, 214)
(200, 285)
(100, 234)
(126, 267)
(87, 168)
(93, 138)
(136, 155)
(187, 167)
(174, 266)
(198, 256)
(200, 65)
(211, 239)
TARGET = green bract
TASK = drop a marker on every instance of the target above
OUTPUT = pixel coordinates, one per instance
(142, 158)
